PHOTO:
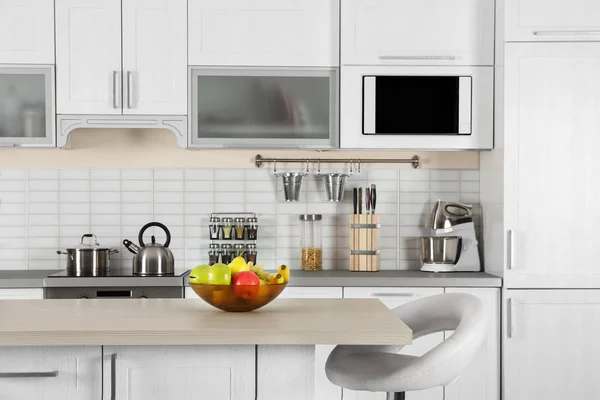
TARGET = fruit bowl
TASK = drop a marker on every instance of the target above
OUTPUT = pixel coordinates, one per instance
(238, 298)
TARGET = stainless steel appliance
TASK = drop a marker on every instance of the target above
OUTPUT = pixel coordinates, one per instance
(115, 283)
(153, 258)
(88, 259)
(452, 246)
(415, 107)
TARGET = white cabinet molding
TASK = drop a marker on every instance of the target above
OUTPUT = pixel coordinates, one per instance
(175, 123)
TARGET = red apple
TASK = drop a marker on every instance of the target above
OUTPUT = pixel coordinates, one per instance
(246, 284)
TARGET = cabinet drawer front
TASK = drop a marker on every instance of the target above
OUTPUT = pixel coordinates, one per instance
(552, 21)
(48, 373)
(311, 293)
(27, 32)
(552, 351)
(435, 32)
(264, 33)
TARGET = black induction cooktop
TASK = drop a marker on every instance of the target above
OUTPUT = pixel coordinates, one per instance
(113, 273)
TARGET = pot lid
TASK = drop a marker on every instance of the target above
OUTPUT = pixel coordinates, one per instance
(91, 245)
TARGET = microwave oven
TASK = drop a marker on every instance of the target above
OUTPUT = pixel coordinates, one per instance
(440, 108)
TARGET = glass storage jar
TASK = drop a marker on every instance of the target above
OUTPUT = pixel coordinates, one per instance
(213, 253)
(214, 228)
(252, 228)
(311, 242)
(240, 228)
(226, 253)
(227, 228)
(239, 250)
(251, 253)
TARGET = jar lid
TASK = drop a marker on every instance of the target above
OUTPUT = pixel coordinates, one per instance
(252, 219)
(251, 246)
(227, 219)
(226, 246)
(213, 246)
(215, 219)
(240, 220)
(239, 246)
(310, 217)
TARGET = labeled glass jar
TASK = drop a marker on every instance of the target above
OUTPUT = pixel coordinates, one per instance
(214, 228)
(251, 253)
(252, 228)
(226, 228)
(226, 253)
(311, 241)
(240, 228)
(213, 253)
(239, 250)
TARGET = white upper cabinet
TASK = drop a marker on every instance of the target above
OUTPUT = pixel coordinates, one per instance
(551, 163)
(279, 33)
(88, 56)
(155, 56)
(417, 32)
(126, 57)
(552, 20)
(551, 347)
(26, 32)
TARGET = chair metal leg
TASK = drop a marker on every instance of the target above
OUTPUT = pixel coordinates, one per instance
(395, 396)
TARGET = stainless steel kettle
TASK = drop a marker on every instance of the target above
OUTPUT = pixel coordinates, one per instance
(153, 258)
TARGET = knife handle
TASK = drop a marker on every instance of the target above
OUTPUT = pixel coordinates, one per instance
(355, 200)
(373, 198)
(367, 200)
(360, 200)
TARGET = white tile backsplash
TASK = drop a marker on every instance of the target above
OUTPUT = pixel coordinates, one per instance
(42, 210)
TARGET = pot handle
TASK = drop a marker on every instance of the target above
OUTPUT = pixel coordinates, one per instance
(113, 251)
(151, 224)
(60, 252)
(90, 235)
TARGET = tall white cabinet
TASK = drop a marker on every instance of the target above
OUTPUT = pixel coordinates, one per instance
(551, 164)
(118, 57)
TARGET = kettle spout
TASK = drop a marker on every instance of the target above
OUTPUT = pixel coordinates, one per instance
(131, 246)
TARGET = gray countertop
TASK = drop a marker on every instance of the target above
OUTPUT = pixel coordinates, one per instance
(24, 278)
(392, 279)
(37, 279)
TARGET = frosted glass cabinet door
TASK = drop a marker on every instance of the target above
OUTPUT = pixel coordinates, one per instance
(266, 108)
(27, 106)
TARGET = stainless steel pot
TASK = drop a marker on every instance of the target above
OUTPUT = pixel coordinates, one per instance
(440, 249)
(88, 259)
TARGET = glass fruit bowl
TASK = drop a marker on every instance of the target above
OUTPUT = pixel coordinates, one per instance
(238, 298)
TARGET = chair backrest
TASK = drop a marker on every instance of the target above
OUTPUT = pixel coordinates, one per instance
(462, 313)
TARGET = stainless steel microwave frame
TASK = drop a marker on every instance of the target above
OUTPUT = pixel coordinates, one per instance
(331, 142)
(475, 109)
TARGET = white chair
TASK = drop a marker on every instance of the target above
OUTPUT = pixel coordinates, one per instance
(382, 369)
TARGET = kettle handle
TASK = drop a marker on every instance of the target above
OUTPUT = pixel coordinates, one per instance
(151, 224)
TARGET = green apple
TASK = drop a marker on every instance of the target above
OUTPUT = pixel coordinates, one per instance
(218, 274)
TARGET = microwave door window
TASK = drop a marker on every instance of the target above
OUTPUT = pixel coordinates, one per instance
(412, 105)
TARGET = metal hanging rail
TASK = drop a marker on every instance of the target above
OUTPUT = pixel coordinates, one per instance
(415, 161)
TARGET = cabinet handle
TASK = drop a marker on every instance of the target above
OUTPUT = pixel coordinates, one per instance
(565, 33)
(49, 374)
(511, 318)
(392, 57)
(393, 294)
(116, 91)
(113, 376)
(510, 257)
(129, 89)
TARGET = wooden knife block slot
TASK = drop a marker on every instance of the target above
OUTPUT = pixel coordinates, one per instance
(364, 242)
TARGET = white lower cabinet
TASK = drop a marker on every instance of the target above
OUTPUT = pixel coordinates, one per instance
(481, 379)
(179, 372)
(50, 373)
(394, 297)
(297, 372)
(21, 294)
(551, 347)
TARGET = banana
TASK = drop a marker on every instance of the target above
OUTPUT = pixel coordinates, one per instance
(277, 279)
(284, 271)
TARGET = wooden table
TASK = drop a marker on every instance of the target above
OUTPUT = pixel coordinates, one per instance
(189, 322)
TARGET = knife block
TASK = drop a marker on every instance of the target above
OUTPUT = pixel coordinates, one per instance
(364, 242)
